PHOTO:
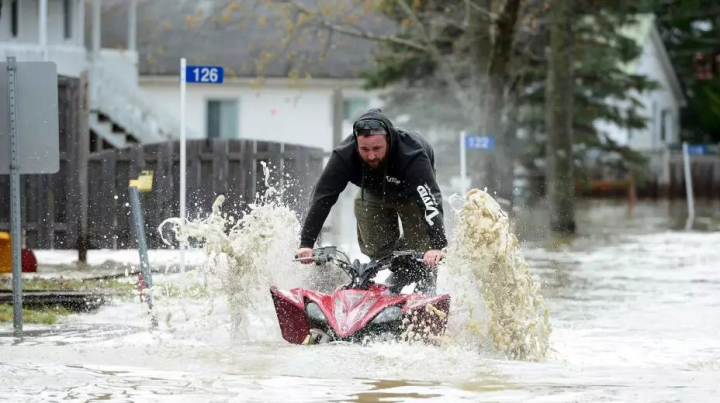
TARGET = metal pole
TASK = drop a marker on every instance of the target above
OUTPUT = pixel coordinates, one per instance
(97, 4)
(463, 166)
(142, 247)
(132, 25)
(688, 184)
(80, 25)
(15, 217)
(42, 29)
(183, 158)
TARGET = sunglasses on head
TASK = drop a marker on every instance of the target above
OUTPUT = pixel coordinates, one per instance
(365, 127)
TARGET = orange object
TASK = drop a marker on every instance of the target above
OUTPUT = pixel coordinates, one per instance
(28, 260)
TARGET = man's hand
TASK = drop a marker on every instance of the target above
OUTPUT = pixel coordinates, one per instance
(305, 252)
(433, 257)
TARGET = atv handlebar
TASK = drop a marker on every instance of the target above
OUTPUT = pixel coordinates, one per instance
(330, 253)
(360, 274)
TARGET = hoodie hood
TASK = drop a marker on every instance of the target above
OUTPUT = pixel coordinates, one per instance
(376, 114)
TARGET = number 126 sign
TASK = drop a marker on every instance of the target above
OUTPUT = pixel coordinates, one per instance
(204, 74)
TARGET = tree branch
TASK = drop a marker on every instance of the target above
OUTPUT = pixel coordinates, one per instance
(480, 9)
(445, 69)
(358, 33)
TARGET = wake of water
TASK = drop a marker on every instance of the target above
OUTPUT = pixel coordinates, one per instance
(496, 304)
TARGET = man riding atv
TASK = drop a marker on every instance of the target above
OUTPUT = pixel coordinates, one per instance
(395, 171)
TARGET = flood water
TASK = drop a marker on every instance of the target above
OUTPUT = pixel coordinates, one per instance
(635, 311)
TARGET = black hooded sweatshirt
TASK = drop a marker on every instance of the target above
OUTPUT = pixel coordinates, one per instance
(408, 173)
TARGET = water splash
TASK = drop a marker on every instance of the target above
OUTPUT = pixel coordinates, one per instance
(247, 255)
(496, 302)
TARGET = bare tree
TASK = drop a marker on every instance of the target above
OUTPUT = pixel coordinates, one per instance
(559, 121)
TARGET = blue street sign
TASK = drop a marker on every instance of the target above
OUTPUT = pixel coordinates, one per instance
(204, 74)
(697, 150)
(479, 142)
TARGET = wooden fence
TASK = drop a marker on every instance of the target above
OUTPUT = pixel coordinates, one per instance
(214, 167)
(49, 202)
(705, 174)
(229, 167)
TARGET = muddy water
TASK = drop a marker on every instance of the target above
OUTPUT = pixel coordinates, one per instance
(635, 312)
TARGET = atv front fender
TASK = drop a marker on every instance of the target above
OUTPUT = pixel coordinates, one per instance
(293, 321)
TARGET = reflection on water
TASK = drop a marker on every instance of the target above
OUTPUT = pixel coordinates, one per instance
(635, 305)
(61, 335)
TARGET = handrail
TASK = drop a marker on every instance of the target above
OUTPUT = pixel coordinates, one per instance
(126, 103)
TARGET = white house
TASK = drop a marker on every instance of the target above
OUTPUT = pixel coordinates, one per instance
(661, 106)
(55, 30)
(36, 30)
(280, 109)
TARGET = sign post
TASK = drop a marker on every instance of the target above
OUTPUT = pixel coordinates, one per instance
(30, 144)
(143, 184)
(183, 157)
(688, 186)
(200, 75)
(472, 142)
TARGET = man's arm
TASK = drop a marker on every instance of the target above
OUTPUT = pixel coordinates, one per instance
(332, 182)
(426, 193)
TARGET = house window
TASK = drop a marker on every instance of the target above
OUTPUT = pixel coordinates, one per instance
(222, 118)
(14, 18)
(67, 18)
(664, 125)
(354, 107)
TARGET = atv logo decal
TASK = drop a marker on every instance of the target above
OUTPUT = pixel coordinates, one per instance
(392, 180)
(430, 203)
(352, 299)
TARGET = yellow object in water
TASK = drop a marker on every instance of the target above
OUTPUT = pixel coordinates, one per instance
(144, 182)
(5, 252)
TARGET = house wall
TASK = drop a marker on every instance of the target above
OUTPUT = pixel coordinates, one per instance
(654, 103)
(28, 23)
(273, 112)
(68, 54)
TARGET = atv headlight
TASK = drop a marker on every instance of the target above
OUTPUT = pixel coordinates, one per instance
(315, 313)
(388, 314)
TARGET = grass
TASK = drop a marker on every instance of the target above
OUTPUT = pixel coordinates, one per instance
(45, 316)
(51, 314)
(62, 284)
(123, 289)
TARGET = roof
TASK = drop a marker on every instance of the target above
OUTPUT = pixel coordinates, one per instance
(238, 37)
(645, 30)
(639, 32)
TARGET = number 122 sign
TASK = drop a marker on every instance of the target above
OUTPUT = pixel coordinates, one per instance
(204, 74)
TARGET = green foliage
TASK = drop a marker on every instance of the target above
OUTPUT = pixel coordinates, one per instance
(691, 28)
(419, 90)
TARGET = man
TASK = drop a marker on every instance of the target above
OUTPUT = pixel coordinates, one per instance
(395, 171)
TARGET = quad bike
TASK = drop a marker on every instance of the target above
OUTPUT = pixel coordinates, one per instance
(362, 309)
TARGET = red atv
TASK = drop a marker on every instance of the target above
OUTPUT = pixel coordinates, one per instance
(361, 310)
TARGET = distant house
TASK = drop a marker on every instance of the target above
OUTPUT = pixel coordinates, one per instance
(661, 107)
(314, 111)
(55, 30)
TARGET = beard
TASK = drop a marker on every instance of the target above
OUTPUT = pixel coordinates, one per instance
(376, 164)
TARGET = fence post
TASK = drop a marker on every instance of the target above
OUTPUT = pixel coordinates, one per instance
(632, 190)
(688, 186)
